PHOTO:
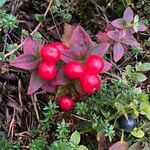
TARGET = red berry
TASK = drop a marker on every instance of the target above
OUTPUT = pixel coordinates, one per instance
(66, 103)
(60, 46)
(90, 83)
(50, 54)
(94, 64)
(73, 70)
(47, 71)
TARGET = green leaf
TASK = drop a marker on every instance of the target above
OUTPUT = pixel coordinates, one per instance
(145, 109)
(136, 19)
(129, 70)
(39, 17)
(2, 56)
(12, 57)
(2, 2)
(139, 77)
(10, 47)
(144, 67)
(136, 23)
(82, 147)
(146, 147)
(75, 137)
(138, 133)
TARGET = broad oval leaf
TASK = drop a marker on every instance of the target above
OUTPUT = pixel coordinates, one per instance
(141, 27)
(114, 35)
(35, 83)
(26, 61)
(144, 67)
(128, 15)
(135, 146)
(139, 77)
(100, 49)
(118, 52)
(31, 46)
(138, 133)
(119, 146)
(49, 87)
(80, 41)
(103, 37)
(82, 147)
(60, 78)
(69, 55)
(107, 66)
(130, 40)
(2, 2)
(75, 137)
(119, 23)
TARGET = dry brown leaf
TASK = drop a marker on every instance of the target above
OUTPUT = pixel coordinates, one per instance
(68, 30)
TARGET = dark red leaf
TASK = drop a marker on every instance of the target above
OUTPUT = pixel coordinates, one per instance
(109, 27)
(128, 15)
(103, 37)
(100, 49)
(142, 27)
(31, 46)
(60, 78)
(130, 40)
(69, 55)
(107, 66)
(118, 23)
(122, 34)
(26, 61)
(35, 83)
(113, 34)
(47, 86)
(118, 52)
(80, 41)
(119, 146)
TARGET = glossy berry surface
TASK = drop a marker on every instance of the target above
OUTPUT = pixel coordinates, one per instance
(94, 64)
(127, 124)
(90, 83)
(47, 71)
(66, 103)
(50, 54)
(60, 46)
(73, 70)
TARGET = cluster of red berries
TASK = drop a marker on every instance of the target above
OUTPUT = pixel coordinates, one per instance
(88, 74)
(50, 55)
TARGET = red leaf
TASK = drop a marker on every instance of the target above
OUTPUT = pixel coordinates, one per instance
(118, 52)
(26, 61)
(122, 34)
(103, 37)
(69, 55)
(142, 27)
(60, 78)
(107, 66)
(130, 40)
(47, 86)
(119, 146)
(100, 49)
(128, 15)
(113, 34)
(80, 41)
(31, 46)
(118, 23)
(35, 83)
(109, 27)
